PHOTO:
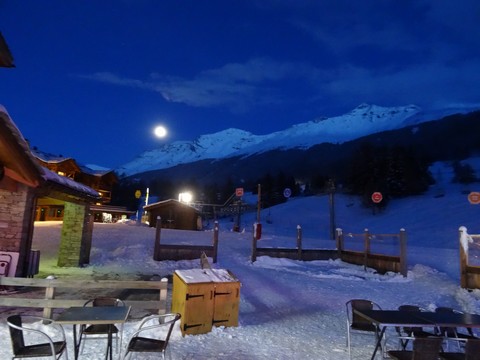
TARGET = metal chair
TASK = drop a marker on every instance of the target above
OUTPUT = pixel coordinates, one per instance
(472, 351)
(99, 331)
(149, 338)
(358, 323)
(406, 333)
(423, 348)
(452, 333)
(23, 348)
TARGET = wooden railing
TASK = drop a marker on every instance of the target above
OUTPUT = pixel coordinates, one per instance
(469, 273)
(183, 252)
(295, 253)
(50, 301)
(378, 260)
(362, 256)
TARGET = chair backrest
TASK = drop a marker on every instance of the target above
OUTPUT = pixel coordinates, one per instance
(451, 331)
(472, 349)
(16, 335)
(359, 304)
(168, 320)
(104, 301)
(153, 322)
(444, 309)
(413, 308)
(426, 348)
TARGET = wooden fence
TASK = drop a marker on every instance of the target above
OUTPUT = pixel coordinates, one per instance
(469, 273)
(376, 260)
(380, 262)
(51, 301)
(183, 252)
(297, 253)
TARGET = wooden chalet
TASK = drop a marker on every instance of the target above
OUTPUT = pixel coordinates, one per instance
(102, 180)
(23, 184)
(174, 215)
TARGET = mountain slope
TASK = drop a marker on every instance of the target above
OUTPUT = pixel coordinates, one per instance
(448, 139)
(363, 120)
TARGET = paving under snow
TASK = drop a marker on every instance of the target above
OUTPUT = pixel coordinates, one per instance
(288, 309)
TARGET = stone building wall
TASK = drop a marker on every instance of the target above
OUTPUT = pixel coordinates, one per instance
(73, 229)
(17, 204)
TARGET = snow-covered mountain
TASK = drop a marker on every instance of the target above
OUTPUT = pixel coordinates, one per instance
(364, 120)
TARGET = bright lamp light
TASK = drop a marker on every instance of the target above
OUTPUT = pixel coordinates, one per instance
(185, 197)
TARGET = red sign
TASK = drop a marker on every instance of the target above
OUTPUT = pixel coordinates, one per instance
(474, 198)
(239, 192)
(377, 197)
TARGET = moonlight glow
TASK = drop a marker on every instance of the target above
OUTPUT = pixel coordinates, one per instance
(160, 131)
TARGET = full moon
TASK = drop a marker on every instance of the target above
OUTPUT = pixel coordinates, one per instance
(160, 131)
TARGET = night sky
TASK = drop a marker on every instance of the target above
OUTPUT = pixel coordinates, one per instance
(94, 77)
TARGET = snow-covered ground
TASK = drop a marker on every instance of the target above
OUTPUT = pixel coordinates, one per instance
(288, 309)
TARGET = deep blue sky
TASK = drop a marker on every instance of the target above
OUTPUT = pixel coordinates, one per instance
(93, 77)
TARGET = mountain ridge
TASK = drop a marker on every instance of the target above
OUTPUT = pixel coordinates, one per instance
(363, 120)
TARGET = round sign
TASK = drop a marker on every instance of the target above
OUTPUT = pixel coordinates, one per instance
(474, 197)
(377, 197)
(138, 193)
(287, 192)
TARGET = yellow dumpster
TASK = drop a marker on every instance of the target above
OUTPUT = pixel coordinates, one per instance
(205, 298)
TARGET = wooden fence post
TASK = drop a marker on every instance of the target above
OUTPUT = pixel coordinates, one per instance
(49, 294)
(163, 296)
(215, 242)
(299, 242)
(403, 252)
(463, 242)
(366, 248)
(254, 244)
(156, 249)
(339, 241)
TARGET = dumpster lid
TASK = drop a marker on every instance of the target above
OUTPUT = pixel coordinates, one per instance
(206, 275)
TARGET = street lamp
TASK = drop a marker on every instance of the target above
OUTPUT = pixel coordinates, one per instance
(185, 197)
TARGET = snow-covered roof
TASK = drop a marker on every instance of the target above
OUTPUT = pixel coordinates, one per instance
(51, 176)
(48, 157)
(17, 156)
(166, 202)
(95, 170)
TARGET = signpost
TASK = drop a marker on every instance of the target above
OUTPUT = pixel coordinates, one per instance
(239, 194)
(377, 197)
(474, 198)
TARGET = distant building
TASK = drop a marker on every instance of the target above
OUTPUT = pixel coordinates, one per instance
(102, 180)
(174, 215)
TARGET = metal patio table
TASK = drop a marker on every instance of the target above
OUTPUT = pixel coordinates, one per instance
(390, 318)
(97, 315)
